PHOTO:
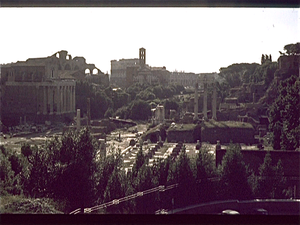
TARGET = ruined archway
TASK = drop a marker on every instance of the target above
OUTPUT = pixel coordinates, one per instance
(95, 71)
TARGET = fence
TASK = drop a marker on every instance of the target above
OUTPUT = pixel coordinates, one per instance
(126, 198)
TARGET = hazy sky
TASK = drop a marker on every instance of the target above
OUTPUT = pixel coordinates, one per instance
(195, 40)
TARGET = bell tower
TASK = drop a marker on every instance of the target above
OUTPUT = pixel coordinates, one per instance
(142, 56)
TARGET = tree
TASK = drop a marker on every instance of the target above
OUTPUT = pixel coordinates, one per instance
(182, 174)
(111, 163)
(264, 72)
(234, 176)
(140, 110)
(115, 189)
(292, 49)
(139, 162)
(6, 175)
(204, 169)
(77, 165)
(233, 74)
(271, 179)
(284, 115)
(170, 104)
(100, 102)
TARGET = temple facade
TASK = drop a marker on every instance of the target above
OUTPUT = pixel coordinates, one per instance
(42, 89)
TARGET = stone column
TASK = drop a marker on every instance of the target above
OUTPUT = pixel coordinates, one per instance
(50, 98)
(88, 112)
(58, 100)
(74, 100)
(71, 99)
(65, 98)
(205, 101)
(68, 98)
(78, 119)
(45, 101)
(196, 102)
(214, 103)
(61, 99)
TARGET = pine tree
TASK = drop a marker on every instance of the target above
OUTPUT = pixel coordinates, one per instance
(262, 59)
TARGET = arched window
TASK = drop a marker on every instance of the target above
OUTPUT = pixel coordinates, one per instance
(95, 71)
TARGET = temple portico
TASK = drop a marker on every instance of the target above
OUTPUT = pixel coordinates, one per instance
(58, 98)
(206, 80)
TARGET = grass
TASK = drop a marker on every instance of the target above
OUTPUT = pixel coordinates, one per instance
(227, 124)
(12, 204)
(183, 127)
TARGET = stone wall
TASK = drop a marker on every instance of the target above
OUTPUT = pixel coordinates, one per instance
(183, 133)
(227, 131)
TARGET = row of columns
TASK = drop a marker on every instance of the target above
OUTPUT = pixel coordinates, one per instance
(214, 102)
(58, 99)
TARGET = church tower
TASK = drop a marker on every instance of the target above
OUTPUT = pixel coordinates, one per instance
(142, 54)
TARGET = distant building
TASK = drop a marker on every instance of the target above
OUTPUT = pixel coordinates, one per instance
(41, 89)
(119, 70)
(126, 72)
(182, 78)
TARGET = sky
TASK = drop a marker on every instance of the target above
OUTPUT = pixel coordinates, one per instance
(198, 40)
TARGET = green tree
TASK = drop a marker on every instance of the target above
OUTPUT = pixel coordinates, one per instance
(140, 110)
(234, 176)
(170, 104)
(271, 181)
(264, 72)
(292, 49)
(115, 189)
(284, 115)
(233, 74)
(111, 163)
(204, 169)
(139, 162)
(76, 180)
(182, 174)
(6, 175)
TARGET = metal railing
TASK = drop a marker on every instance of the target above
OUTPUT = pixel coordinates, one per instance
(126, 198)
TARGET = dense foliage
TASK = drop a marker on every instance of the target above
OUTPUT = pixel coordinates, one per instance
(68, 172)
(123, 103)
(284, 115)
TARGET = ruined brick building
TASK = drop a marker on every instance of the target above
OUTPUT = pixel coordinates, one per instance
(41, 89)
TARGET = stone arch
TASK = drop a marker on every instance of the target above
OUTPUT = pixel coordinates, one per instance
(95, 71)
(87, 71)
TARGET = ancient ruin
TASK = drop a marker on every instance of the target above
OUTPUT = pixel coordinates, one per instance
(43, 89)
